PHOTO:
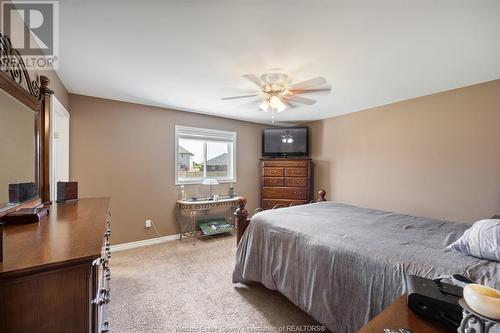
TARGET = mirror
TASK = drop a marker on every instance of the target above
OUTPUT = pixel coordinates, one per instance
(18, 145)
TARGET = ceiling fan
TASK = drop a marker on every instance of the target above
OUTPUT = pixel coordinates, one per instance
(279, 93)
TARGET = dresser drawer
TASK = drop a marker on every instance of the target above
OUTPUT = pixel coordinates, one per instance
(285, 163)
(284, 193)
(296, 172)
(270, 203)
(296, 181)
(273, 181)
(273, 172)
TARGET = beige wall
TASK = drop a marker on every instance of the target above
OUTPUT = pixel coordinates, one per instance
(436, 156)
(126, 151)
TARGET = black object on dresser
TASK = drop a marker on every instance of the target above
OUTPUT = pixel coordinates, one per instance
(285, 182)
(21, 192)
(67, 191)
(55, 274)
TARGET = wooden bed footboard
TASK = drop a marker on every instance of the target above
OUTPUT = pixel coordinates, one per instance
(242, 219)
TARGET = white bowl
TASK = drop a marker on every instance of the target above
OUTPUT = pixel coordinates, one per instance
(483, 300)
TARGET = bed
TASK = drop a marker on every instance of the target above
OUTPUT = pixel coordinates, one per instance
(343, 264)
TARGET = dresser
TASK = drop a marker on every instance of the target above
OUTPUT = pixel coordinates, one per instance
(55, 274)
(285, 181)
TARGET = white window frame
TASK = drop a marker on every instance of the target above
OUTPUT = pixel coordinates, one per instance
(206, 135)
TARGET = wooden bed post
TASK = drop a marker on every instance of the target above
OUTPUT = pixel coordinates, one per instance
(321, 195)
(241, 216)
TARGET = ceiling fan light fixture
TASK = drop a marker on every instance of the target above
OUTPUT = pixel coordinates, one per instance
(264, 106)
(277, 104)
(280, 94)
(274, 101)
(281, 106)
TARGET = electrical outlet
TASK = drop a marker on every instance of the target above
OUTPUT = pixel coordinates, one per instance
(147, 224)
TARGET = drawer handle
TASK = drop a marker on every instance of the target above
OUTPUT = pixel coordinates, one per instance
(103, 298)
(105, 327)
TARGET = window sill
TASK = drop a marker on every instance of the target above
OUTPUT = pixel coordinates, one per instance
(200, 182)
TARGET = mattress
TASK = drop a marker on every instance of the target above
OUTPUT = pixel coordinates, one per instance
(344, 264)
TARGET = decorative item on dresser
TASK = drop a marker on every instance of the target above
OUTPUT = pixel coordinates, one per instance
(285, 182)
(55, 274)
(67, 191)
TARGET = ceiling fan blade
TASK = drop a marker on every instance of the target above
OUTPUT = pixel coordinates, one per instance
(301, 100)
(288, 104)
(254, 103)
(242, 96)
(309, 91)
(254, 79)
(317, 81)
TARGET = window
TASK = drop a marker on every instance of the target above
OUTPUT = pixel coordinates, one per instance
(204, 153)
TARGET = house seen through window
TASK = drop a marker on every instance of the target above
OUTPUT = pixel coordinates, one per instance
(204, 153)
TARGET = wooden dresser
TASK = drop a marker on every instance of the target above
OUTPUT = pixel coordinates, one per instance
(285, 181)
(55, 274)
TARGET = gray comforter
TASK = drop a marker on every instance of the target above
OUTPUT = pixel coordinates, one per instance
(343, 264)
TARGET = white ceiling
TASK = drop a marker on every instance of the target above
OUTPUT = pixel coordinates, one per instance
(187, 54)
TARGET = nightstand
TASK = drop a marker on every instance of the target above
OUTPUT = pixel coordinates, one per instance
(398, 315)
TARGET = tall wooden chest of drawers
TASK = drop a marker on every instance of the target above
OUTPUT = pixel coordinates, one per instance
(285, 181)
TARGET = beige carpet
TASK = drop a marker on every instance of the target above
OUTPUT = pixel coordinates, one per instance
(185, 286)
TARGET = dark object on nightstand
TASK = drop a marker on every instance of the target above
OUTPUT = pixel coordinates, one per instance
(397, 315)
(25, 215)
(496, 217)
(435, 300)
(21, 192)
(67, 191)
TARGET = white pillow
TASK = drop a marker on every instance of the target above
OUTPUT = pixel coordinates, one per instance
(482, 240)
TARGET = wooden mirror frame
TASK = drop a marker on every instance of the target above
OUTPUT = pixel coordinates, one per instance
(35, 94)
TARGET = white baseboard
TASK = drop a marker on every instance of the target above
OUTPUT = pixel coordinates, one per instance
(145, 242)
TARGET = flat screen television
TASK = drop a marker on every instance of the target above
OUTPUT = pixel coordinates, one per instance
(285, 141)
